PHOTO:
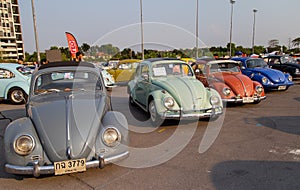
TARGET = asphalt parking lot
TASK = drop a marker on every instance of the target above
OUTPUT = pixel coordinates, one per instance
(257, 146)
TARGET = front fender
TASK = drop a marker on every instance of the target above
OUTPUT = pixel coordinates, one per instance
(118, 121)
(22, 126)
(219, 86)
(158, 97)
(258, 78)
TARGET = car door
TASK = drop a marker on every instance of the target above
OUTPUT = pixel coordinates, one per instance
(143, 85)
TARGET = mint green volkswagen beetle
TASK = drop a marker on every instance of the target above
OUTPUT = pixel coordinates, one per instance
(168, 89)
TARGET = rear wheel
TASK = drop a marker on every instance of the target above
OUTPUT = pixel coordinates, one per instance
(17, 96)
(156, 120)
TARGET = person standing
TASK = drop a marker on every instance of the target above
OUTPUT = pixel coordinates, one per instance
(20, 60)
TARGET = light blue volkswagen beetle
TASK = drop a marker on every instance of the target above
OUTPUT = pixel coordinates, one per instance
(14, 82)
(69, 125)
(168, 89)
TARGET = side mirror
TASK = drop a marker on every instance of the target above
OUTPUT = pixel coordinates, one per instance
(145, 77)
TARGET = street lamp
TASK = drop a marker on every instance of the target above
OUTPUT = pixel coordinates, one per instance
(232, 2)
(35, 33)
(142, 30)
(254, 11)
(197, 32)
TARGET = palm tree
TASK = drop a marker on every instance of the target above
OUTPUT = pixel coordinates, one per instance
(296, 42)
(273, 43)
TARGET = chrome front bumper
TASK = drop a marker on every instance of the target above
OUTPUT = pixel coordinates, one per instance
(240, 100)
(37, 170)
(211, 112)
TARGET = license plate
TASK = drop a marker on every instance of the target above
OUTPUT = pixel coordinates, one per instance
(281, 87)
(248, 99)
(69, 166)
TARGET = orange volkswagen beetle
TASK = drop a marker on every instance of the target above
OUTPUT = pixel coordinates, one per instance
(225, 76)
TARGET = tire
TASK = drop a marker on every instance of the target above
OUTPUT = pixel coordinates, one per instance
(155, 118)
(17, 96)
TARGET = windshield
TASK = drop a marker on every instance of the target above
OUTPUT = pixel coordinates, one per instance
(224, 67)
(25, 70)
(252, 63)
(128, 65)
(171, 69)
(286, 59)
(67, 81)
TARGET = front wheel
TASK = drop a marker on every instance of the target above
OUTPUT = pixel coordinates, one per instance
(156, 120)
(17, 96)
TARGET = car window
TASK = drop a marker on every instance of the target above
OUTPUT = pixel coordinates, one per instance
(6, 74)
(145, 70)
(214, 68)
(252, 63)
(231, 67)
(67, 81)
(24, 70)
(171, 69)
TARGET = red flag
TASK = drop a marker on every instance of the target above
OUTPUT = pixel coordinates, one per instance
(73, 46)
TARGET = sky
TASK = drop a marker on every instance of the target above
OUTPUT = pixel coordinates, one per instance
(166, 23)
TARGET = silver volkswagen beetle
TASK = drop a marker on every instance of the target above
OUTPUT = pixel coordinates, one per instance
(69, 125)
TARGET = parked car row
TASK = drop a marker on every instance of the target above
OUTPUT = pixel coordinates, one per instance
(70, 125)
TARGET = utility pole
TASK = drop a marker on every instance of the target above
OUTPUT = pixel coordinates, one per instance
(35, 33)
(197, 30)
(230, 38)
(254, 11)
(142, 30)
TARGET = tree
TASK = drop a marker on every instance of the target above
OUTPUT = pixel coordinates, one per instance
(296, 42)
(273, 43)
(85, 47)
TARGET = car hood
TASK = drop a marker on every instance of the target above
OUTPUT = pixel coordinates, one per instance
(189, 93)
(274, 75)
(239, 83)
(68, 126)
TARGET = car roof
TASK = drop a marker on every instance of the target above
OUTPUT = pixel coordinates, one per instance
(221, 61)
(242, 58)
(66, 64)
(11, 65)
(163, 59)
(128, 61)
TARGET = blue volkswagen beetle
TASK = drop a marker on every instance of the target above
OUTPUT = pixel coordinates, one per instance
(14, 82)
(258, 70)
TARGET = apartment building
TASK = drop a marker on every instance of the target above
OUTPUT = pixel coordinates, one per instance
(11, 41)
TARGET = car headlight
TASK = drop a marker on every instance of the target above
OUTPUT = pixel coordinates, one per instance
(290, 78)
(226, 91)
(264, 80)
(24, 145)
(111, 137)
(214, 100)
(259, 89)
(169, 102)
